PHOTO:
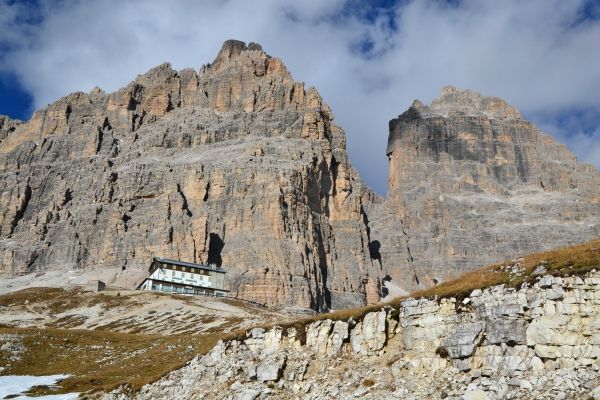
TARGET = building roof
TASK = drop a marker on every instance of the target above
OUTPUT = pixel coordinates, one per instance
(189, 264)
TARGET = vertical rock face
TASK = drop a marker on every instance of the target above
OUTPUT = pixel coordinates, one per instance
(237, 165)
(472, 183)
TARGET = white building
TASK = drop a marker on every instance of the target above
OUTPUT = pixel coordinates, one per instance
(174, 276)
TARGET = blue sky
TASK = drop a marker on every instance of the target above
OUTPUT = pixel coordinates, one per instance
(369, 59)
(15, 101)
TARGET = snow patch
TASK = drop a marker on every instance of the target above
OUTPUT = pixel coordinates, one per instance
(17, 384)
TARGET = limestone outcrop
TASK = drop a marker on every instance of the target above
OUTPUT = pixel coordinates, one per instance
(236, 165)
(472, 183)
(537, 342)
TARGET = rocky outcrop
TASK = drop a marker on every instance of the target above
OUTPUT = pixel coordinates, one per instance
(536, 342)
(7, 126)
(369, 335)
(236, 165)
(472, 183)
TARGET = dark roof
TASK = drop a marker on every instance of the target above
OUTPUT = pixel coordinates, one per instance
(189, 264)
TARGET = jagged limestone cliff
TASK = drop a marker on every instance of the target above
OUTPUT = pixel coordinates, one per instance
(237, 165)
(472, 183)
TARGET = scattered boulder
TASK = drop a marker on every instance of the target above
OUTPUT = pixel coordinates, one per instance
(271, 368)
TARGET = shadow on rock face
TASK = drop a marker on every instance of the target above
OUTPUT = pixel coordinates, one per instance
(215, 247)
(374, 248)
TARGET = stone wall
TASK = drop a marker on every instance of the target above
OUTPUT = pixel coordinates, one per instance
(537, 342)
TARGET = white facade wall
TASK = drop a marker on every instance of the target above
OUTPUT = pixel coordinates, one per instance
(184, 278)
(197, 282)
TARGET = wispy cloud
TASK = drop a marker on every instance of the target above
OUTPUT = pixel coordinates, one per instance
(368, 63)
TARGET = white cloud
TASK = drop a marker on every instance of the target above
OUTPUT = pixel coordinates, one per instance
(530, 53)
(586, 146)
(580, 130)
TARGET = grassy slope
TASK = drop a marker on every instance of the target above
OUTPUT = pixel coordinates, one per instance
(101, 360)
(573, 260)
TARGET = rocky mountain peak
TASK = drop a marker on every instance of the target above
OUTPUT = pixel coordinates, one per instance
(236, 164)
(457, 102)
(235, 56)
(233, 48)
(469, 180)
(230, 49)
(160, 73)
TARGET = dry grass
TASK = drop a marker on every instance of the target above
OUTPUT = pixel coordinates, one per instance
(572, 260)
(59, 300)
(27, 295)
(567, 260)
(368, 382)
(99, 360)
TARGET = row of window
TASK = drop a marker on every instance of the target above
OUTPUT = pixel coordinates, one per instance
(165, 287)
(183, 275)
(181, 268)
